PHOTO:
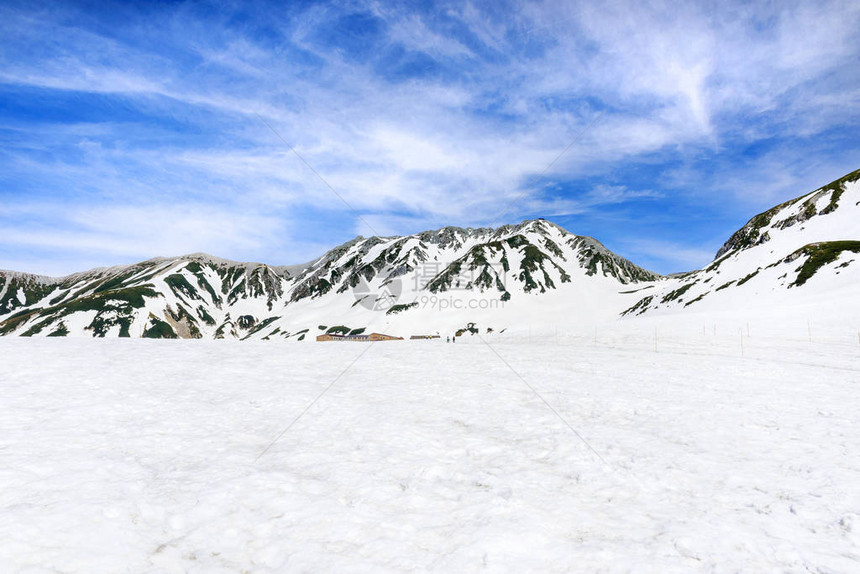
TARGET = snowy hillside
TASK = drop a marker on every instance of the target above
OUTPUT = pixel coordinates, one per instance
(802, 256)
(428, 282)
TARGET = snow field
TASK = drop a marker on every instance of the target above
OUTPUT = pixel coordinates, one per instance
(141, 456)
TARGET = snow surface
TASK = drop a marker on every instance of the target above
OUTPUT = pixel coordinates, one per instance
(124, 455)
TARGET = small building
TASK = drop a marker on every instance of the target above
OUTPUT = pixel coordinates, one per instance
(361, 337)
(329, 337)
(381, 337)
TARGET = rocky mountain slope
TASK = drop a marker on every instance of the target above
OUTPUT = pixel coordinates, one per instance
(396, 283)
(799, 251)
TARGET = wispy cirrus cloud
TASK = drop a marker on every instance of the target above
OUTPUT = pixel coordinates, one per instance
(418, 116)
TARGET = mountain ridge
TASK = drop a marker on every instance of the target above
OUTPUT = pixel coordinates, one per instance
(202, 295)
(533, 270)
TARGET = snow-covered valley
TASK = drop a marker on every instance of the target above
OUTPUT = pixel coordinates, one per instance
(606, 451)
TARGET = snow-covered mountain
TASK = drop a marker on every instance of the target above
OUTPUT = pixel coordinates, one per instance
(801, 254)
(430, 282)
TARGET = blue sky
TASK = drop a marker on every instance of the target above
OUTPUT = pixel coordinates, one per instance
(135, 130)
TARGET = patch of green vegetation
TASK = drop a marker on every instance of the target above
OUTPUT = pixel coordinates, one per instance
(358, 331)
(33, 292)
(809, 210)
(229, 276)
(321, 287)
(322, 327)
(120, 301)
(158, 329)
(180, 285)
(699, 298)
(102, 323)
(553, 248)
(60, 331)
(301, 337)
(592, 258)
(506, 265)
(532, 261)
(748, 277)
(676, 294)
(400, 307)
(203, 314)
(338, 330)
(478, 257)
(484, 280)
(517, 241)
(113, 283)
(194, 267)
(37, 328)
(11, 323)
(263, 282)
(837, 188)
(635, 290)
(21, 313)
(237, 292)
(220, 331)
(447, 278)
(58, 298)
(640, 307)
(203, 282)
(262, 325)
(725, 285)
(819, 255)
(149, 276)
(132, 296)
(714, 265)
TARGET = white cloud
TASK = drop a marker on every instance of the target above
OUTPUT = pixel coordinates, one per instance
(142, 231)
(454, 148)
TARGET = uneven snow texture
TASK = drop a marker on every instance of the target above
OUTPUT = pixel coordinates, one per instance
(142, 456)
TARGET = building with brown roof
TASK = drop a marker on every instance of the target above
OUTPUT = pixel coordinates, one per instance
(361, 337)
